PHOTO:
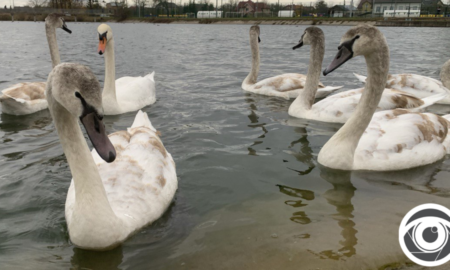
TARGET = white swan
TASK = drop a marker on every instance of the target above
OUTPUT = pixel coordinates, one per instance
(27, 98)
(107, 202)
(418, 85)
(127, 93)
(391, 140)
(339, 107)
(286, 85)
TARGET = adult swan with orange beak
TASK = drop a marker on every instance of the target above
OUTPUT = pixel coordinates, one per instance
(125, 94)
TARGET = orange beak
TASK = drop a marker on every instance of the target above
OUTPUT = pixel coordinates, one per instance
(102, 46)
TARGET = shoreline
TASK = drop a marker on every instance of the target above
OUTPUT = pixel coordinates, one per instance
(379, 22)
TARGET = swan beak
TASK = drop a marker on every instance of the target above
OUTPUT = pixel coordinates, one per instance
(299, 45)
(96, 131)
(344, 54)
(102, 46)
(259, 39)
(64, 27)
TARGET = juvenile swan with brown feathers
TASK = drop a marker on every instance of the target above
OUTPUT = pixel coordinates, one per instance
(387, 140)
(287, 86)
(29, 97)
(339, 107)
(107, 202)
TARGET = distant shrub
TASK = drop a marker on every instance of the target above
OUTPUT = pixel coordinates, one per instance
(5, 17)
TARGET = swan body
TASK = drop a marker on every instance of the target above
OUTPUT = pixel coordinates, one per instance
(387, 140)
(107, 202)
(125, 94)
(24, 98)
(339, 107)
(417, 85)
(286, 86)
(27, 98)
(399, 138)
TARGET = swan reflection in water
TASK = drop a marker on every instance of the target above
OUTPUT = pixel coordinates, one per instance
(88, 259)
(273, 104)
(341, 196)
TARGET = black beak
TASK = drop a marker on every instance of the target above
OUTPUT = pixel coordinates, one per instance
(96, 132)
(299, 45)
(66, 29)
(344, 54)
(259, 39)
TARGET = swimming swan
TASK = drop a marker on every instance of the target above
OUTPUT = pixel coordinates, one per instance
(107, 202)
(339, 107)
(418, 85)
(125, 94)
(287, 86)
(27, 98)
(390, 140)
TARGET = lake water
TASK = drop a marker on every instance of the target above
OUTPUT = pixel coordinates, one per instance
(251, 193)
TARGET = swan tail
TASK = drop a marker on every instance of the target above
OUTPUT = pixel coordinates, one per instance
(6, 97)
(151, 76)
(361, 78)
(447, 117)
(428, 101)
(142, 120)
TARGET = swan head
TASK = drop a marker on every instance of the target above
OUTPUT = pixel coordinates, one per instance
(312, 34)
(362, 40)
(254, 33)
(105, 34)
(57, 21)
(76, 88)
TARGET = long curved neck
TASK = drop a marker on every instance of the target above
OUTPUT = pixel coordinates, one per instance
(341, 147)
(253, 75)
(91, 202)
(445, 74)
(52, 44)
(109, 89)
(305, 99)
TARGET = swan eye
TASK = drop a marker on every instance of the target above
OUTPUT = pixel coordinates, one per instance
(78, 95)
(356, 37)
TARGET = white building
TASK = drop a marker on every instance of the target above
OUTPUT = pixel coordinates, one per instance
(379, 6)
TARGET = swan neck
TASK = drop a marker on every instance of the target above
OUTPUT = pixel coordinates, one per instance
(109, 89)
(343, 144)
(52, 44)
(91, 200)
(445, 74)
(253, 75)
(306, 98)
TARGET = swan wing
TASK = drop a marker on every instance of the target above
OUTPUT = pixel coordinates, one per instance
(140, 184)
(417, 85)
(134, 93)
(400, 139)
(339, 107)
(286, 86)
(24, 98)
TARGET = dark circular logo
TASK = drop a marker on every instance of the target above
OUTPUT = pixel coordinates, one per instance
(424, 234)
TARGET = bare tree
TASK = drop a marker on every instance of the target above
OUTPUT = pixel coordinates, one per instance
(37, 3)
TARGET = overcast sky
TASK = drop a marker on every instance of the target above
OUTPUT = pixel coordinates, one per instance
(285, 2)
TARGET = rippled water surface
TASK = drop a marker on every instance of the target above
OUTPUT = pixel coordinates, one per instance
(251, 194)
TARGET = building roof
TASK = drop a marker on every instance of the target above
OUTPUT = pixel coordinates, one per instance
(398, 1)
(433, 3)
(344, 8)
(364, 1)
(259, 5)
(289, 7)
